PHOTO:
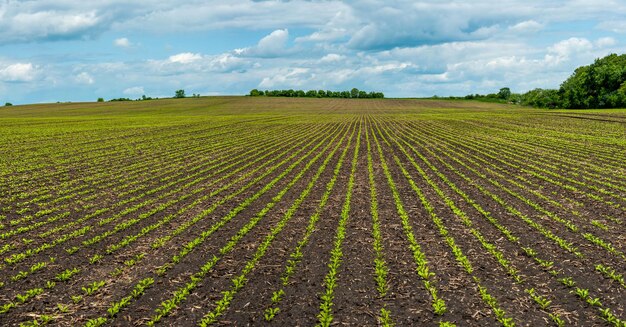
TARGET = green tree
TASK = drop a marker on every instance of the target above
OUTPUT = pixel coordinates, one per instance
(354, 93)
(505, 93)
(8, 104)
(100, 99)
(179, 94)
(541, 98)
(599, 85)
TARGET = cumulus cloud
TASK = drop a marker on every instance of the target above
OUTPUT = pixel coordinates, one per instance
(604, 42)
(122, 42)
(17, 25)
(185, 58)
(563, 50)
(226, 62)
(18, 72)
(272, 45)
(135, 91)
(332, 57)
(188, 64)
(290, 78)
(337, 28)
(84, 78)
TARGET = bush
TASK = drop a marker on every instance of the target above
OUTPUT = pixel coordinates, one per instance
(541, 98)
(8, 104)
(179, 94)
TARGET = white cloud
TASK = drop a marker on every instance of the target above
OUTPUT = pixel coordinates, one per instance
(335, 29)
(84, 78)
(272, 45)
(528, 26)
(135, 90)
(332, 57)
(292, 78)
(122, 42)
(18, 72)
(46, 25)
(222, 14)
(384, 68)
(185, 58)
(274, 42)
(410, 23)
(562, 51)
(605, 42)
(226, 62)
(615, 26)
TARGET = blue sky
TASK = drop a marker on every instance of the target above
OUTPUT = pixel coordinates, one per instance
(67, 50)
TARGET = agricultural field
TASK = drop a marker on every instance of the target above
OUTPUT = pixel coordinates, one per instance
(301, 212)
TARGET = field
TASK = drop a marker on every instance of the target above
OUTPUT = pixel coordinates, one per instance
(297, 212)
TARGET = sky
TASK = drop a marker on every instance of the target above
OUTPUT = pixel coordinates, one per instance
(70, 50)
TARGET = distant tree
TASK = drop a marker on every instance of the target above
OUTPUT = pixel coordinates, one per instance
(377, 95)
(505, 93)
(492, 96)
(179, 94)
(8, 104)
(354, 93)
(541, 98)
(100, 99)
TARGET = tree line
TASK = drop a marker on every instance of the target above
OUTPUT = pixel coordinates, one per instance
(178, 94)
(352, 94)
(599, 85)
